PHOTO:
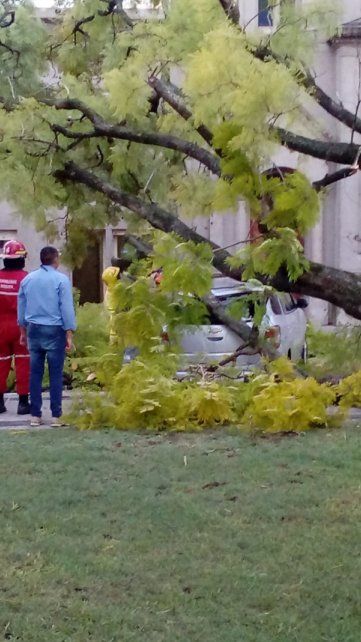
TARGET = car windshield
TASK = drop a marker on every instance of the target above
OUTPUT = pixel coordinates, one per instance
(229, 302)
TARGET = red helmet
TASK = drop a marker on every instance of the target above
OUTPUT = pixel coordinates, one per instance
(14, 250)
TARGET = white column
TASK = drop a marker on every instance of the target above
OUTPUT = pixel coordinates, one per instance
(348, 191)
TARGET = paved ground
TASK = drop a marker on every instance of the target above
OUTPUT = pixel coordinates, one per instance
(10, 420)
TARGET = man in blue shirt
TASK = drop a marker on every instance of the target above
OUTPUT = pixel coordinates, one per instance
(47, 321)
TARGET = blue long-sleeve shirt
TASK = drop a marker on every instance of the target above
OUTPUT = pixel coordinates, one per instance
(45, 298)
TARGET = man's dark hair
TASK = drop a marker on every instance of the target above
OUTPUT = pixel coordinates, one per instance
(48, 255)
(14, 264)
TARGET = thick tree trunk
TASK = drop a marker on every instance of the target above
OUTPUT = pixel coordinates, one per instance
(339, 287)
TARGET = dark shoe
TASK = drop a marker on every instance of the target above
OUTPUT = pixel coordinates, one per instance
(24, 409)
(2, 404)
(23, 406)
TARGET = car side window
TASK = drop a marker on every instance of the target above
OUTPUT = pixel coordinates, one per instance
(287, 302)
(276, 305)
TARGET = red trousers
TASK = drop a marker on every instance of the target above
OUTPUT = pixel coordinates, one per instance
(10, 348)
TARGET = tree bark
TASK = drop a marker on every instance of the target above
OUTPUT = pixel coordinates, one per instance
(341, 153)
(174, 98)
(167, 141)
(231, 10)
(339, 287)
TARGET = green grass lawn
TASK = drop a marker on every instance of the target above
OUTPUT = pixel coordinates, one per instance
(115, 537)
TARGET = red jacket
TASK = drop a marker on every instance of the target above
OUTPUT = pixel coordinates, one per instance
(9, 287)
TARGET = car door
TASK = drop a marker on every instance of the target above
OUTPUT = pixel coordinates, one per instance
(294, 325)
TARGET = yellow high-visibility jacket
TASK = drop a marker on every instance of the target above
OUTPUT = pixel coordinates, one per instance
(110, 278)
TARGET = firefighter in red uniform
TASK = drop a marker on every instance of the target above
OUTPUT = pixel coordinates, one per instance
(14, 254)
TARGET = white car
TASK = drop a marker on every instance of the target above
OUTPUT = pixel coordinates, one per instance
(284, 324)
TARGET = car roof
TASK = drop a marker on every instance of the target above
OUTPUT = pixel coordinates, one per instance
(241, 289)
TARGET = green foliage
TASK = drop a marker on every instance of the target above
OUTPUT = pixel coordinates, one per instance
(142, 309)
(91, 343)
(196, 194)
(349, 391)
(333, 354)
(106, 61)
(92, 334)
(294, 203)
(251, 305)
(187, 267)
(218, 81)
(289, 406)
(22, 58)
(300, 26)
(267, 257)
(143, 394)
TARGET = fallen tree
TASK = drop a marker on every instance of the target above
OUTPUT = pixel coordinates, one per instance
(115, 133)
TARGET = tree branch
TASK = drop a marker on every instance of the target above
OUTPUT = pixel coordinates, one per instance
(342, 153)
(7, 19)
(241, 328)
(339, 287)
(103, 129)
(11, 50)
(335, 109)
(174, 98)
(305, 78)
(231, 10)
(329, 179)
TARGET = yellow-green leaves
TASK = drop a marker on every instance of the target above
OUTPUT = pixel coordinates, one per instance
(143, 395)
(22, 54)
(128, 91)
(296, 405)
(295, 203)
(283, 249)
(187, 267)
(195, 194)
(227, 83)
(300, 26)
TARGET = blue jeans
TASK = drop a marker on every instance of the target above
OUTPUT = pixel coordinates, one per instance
(46, 341)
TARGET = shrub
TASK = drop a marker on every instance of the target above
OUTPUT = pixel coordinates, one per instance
(92, 333)
(349, 391)
(290, 406)
(143, 394)
(91, 342)
(334, 354)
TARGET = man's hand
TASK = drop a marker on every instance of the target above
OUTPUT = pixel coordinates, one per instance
(23, 338)
(69, 341)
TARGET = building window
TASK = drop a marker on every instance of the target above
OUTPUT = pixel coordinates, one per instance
(5, 236)
(120, 241)
(265, 18)
(87, 277)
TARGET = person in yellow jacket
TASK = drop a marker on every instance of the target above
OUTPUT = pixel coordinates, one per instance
(110, 278)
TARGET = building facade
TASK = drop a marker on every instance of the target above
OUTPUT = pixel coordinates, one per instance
(336, 239)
